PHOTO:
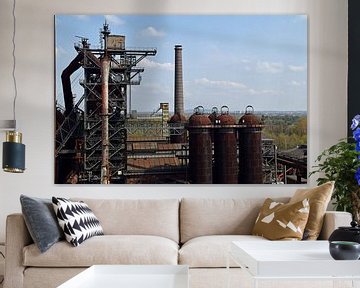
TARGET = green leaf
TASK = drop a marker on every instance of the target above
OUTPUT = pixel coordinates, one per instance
(339, 163)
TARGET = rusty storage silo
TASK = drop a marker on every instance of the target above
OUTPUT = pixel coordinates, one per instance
(250, 155)
(200, 148)
(177, 132)
(212, 117)
(225, 149)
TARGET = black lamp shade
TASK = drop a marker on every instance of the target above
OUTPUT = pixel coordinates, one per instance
(13, 157)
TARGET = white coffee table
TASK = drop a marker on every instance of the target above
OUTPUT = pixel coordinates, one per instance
(297, 260)
(131, 276)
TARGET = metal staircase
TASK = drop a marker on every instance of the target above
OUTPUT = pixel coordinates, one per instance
(68, 126)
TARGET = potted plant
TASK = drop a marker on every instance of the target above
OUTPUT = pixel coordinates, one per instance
(341, 163)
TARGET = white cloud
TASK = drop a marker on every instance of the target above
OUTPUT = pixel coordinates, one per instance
(147, 63)
(220, 83)
(267, 92)
(246, 64)
(295, 68)
(152, 32)
(153, 88)
(154, 93)
(295, 83)
(114, 20)
(269, 67)
(83, 17)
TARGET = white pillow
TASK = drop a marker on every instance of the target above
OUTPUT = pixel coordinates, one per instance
(76, 220)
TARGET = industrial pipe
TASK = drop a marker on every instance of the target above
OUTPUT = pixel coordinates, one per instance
(105, 167)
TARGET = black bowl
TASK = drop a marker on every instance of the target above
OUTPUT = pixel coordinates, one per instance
(344, 250)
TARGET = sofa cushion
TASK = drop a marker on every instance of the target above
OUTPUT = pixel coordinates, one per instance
(77, 220)
(200, 217)
(319, 198)
(107, 249)
(158, 217)
(41, 221)
(279, 221)
(211, 251)
(43, 277)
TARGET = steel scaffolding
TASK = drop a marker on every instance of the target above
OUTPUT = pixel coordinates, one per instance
(108, 73)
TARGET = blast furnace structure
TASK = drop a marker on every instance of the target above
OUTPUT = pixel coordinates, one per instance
(94, 127)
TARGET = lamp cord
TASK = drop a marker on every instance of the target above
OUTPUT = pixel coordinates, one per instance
(2, 280)
(14, 60)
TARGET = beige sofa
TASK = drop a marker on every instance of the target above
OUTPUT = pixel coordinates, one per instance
(194, 232)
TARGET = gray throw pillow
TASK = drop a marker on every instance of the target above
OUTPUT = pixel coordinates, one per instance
(41, 221)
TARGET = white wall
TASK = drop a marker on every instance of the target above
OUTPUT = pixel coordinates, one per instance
(35, 78)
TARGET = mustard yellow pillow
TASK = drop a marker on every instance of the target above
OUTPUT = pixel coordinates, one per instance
(279, 221)
(319, 198)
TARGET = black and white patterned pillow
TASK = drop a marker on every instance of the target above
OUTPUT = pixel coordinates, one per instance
(77, 220)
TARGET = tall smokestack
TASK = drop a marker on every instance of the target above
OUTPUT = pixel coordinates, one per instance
(177, 132)
(179, 91)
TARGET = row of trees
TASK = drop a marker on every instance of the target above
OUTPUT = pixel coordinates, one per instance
(288, 131)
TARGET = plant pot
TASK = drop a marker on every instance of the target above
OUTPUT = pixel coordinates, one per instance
(344, 250)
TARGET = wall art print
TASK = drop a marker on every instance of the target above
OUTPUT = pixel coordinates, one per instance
(190, 99)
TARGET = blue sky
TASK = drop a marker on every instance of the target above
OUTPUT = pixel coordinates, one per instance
(233, 60)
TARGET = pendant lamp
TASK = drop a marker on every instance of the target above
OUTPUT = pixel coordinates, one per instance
(13, 150)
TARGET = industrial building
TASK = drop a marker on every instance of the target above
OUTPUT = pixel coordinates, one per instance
(98, 141)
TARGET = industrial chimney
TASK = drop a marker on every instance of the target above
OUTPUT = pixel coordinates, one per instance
(179, 94)
(177, 132)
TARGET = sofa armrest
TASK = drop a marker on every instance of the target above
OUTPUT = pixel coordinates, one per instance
(333, 220)
(17, 237)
